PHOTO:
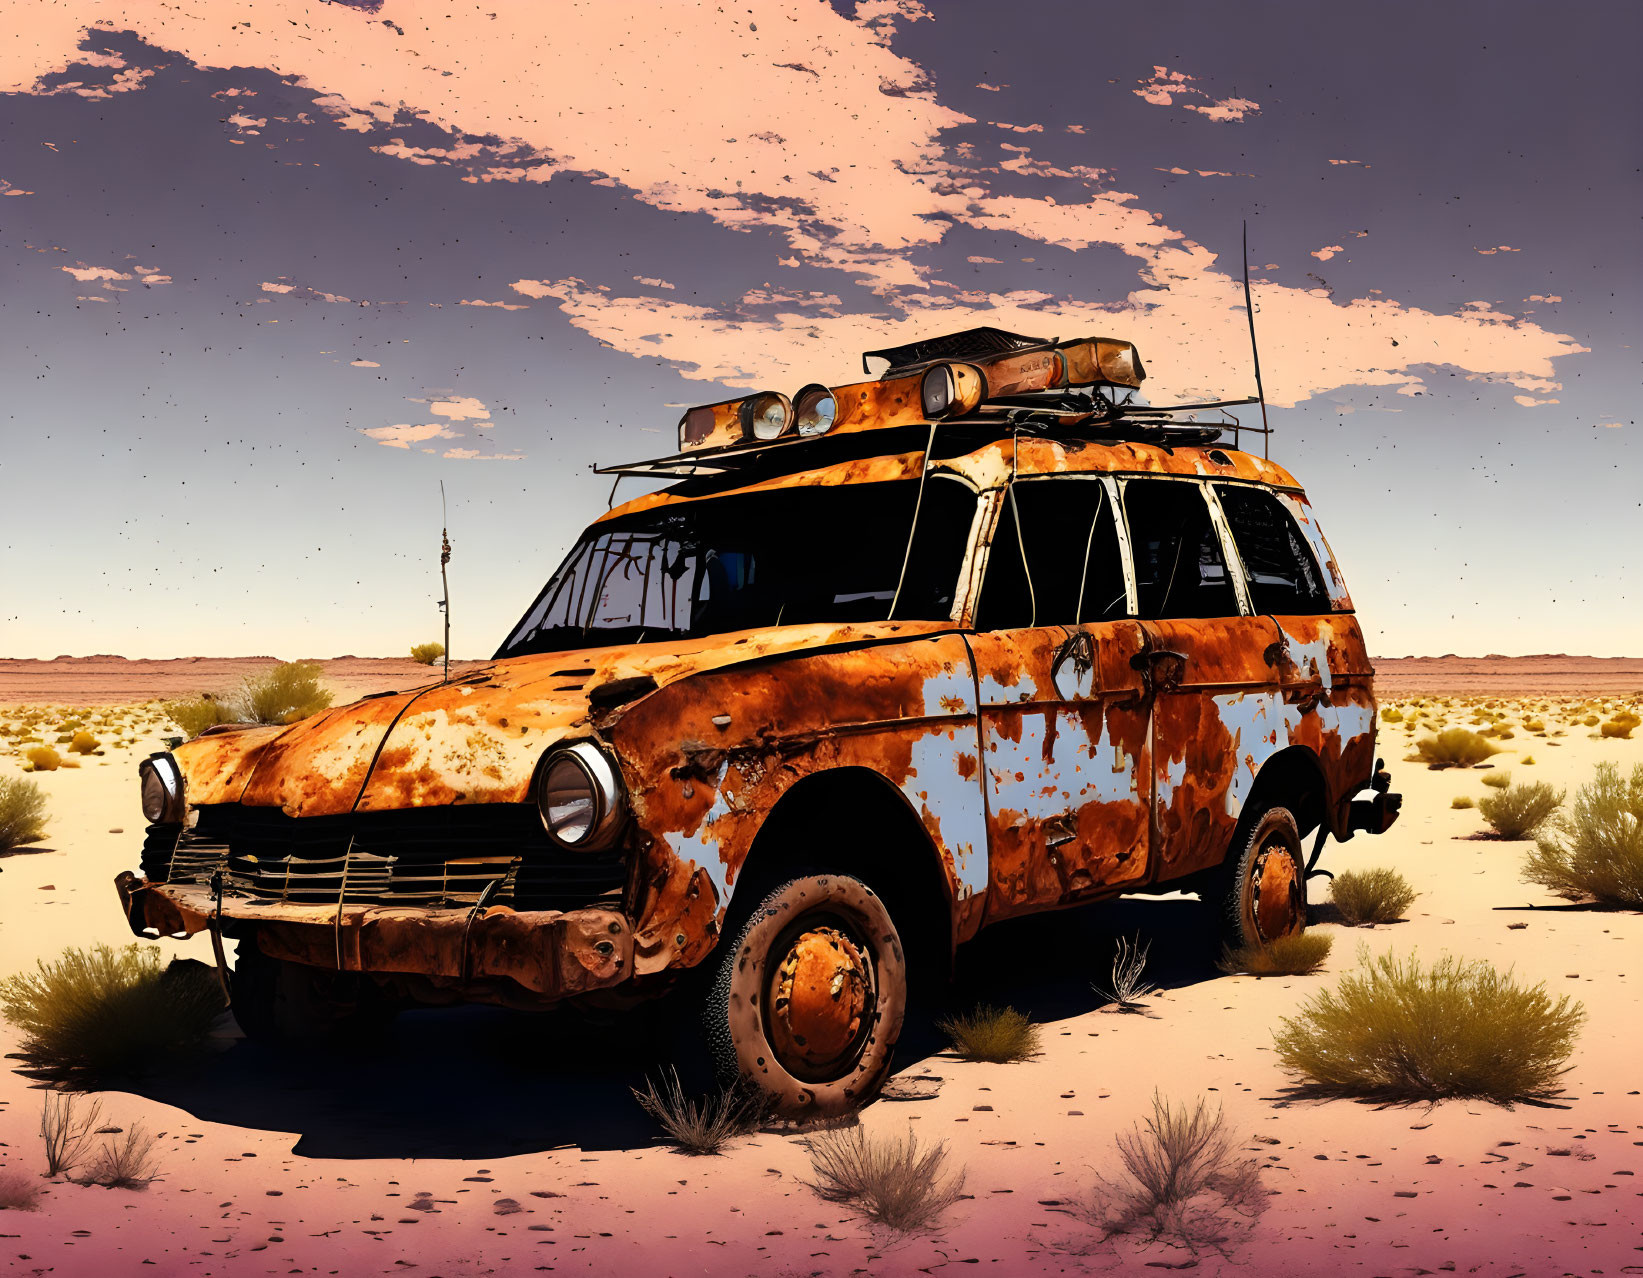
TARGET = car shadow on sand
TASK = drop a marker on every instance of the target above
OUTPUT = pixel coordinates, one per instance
(484, 1083)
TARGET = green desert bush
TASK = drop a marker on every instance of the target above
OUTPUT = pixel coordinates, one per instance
(1371, 896)
(1453, 748)
(1183, 1182)
(285, 694)
(195, 714)
(1298, 955)
(43, 758)
(1519, 810)
(102, 1012)
(1594, 849)
(425, 654)
(998, 1034)
(1395, 1030)
(699, 1126)
(1497, 780)
(22, 812)
(889, 1181)
(1462, 801)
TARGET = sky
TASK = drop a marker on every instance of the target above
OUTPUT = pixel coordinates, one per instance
(270, 272)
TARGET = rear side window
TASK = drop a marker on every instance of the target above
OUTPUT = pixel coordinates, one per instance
(1179, 568)
(1283, 576)
(1072, 571)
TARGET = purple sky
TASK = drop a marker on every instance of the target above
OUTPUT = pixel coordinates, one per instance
(243, 250)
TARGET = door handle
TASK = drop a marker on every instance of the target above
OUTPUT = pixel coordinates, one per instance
(1153, 679)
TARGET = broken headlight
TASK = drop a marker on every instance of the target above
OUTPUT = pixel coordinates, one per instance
(579, 794)
(161, 781)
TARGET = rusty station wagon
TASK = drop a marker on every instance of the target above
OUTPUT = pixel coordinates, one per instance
(888, 663)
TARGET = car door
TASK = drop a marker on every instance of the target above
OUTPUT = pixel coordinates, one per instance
(1063, 721)
(1216, 702)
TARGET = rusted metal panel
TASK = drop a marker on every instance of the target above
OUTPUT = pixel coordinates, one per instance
(1327, 679)
(217, 767)
(318, 766)
(706, 762)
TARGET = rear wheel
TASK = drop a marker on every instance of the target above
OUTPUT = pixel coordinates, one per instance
(276, 1001)
(807, 1004)
(1261, 894)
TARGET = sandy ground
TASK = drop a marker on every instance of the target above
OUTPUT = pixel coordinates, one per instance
(484, 1142)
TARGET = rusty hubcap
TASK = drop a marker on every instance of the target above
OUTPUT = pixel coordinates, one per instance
(1277, 903)
(819, 1001)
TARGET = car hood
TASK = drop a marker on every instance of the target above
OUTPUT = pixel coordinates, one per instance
(478, 738)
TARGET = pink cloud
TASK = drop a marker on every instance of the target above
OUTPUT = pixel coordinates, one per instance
(363, 363)
(6, 188)
(86, 274)
(1166, 86)
(473, 454)
(460, 408)
(1499, 248)
(1326, 252)
(1544, 297)
(1352, 162)
(651, 282)
(404, 436)
(1225, 109)
(993, 88)
(506, 306)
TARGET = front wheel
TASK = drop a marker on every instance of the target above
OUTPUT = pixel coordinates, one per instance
(1261, 893)
(807, 1005)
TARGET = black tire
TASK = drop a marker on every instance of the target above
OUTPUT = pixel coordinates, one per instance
(276, 1001)
(808, 1000)
(1260, 892)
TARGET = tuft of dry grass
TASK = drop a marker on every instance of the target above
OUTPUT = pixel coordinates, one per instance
(425, 654)
(288, 692)
(103, 1012)
(195, 714)
(1395, 1030)
(1299, 955)
(127, 1161)
(1371, 896)
(1497, 780)
(889, 1181)
(1594, 849)
(998, 1034)
(19, 1190)
(1183, 1182)
(22, 813)
(1127, 988)
(66, 1130)
(700, 1126)
(1519, 810)
(1462, 801)
(1453, 748)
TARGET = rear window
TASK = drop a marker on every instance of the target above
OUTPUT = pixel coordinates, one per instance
(1282, 574)
(1179, 568)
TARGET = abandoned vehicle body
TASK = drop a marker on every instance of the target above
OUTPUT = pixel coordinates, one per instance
(888, 663)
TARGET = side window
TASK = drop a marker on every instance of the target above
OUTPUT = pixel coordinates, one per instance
(1283, 576)
(1179, 568)
(1072, 570)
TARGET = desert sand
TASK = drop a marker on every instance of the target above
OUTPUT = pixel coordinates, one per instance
(485, 1142)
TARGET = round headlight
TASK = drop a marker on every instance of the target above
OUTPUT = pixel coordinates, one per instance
(766, 416)
(814, 410)
(161, 781)
(579, 795)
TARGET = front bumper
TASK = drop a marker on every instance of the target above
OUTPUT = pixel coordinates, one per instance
(1376, 815)
(554, 954)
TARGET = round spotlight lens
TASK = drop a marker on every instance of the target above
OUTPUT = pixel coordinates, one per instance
(815, 410)
(937, 391)
(767, 416)
(580, 796)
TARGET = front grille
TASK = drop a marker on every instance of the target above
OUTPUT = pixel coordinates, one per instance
(415, 856)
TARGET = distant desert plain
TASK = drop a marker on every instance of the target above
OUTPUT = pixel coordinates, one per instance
(479, 1141)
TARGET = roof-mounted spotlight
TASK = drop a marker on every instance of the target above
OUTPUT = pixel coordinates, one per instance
(765, 416)
(951, 390)
(815, 410)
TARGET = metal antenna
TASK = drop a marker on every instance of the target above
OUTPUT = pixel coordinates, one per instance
(1249, 309)
(444, 579)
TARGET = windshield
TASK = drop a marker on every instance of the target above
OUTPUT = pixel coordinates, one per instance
(754, 560)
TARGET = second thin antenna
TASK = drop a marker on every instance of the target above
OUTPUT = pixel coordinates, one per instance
(1255, 352)
(444, 579)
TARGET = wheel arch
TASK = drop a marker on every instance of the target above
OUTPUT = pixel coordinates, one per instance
(1292, 778)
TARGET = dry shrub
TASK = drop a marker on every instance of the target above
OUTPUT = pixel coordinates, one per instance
(700, 1126)
(1299, 955)
(195, 714)
(19, 1190)
(83, 742)
(1519, 810)
(42, 758)
(1594, 849)
(998, 1034)
(425, 654)
(22, 812)
(66, 1130)
(1371, 896)
(1453, 748)
(1462, 801)
(1497, 780)
(104, 1012)
(126, 1161)
(1620, 726)
(1397, 1031)
(285, 694)
(1183, 1182)
(1127, 988)
(887, 1180)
